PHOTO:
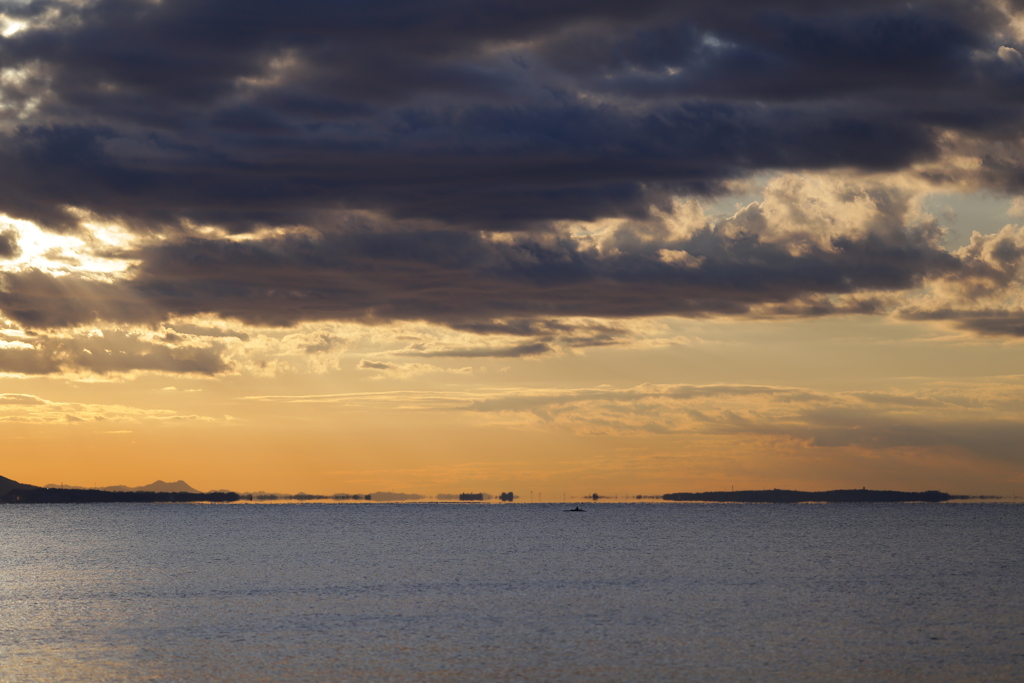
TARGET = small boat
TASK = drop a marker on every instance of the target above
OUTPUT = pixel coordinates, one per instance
(575, 509)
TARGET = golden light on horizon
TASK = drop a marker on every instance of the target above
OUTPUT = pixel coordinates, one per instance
(524, 265)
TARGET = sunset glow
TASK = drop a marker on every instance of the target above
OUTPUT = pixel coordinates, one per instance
(568, 251)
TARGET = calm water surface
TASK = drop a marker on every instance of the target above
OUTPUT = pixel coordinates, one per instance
(448, 592)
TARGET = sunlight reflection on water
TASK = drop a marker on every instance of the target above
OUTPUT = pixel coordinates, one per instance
(630, 592)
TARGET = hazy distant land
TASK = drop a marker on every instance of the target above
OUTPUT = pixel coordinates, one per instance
(159, 486)
(378, 496)
(158, 492)
(837, 496)
(179, 491)
(43, 495)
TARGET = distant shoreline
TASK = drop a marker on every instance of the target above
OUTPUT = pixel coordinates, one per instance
(36, 495)
(13, 492)
(837, 496)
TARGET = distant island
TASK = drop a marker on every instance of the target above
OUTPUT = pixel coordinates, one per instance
(837, 496)
(15, 492)
(159, 485)
(378, 496)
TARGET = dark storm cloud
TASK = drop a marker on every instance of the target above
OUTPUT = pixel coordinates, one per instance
(38, 299)
(449, 122)
(489, 286)
(498, 114)
(489, 167)
(9, 244)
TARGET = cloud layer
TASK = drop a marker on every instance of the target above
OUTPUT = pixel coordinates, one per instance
(981, 421)
(814, 245)
(495, 169)
(497, 116)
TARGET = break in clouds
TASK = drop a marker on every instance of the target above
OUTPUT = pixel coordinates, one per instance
(500, 167)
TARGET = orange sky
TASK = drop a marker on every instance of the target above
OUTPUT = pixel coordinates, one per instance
(631, 248)
(690, 405)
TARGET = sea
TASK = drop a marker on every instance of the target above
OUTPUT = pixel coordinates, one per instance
(277, 593)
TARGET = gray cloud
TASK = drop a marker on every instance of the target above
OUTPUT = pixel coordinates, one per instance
(365, 364)
(113, 352)
(500, 118)
(205, 331)
(547, 401)
(9, 244)
(951, 420)
(38, 299)
(449, 126)
(869, 420)
(324, 343)
(992, 438)
(517, 351)
(468, 281)
(985, 322)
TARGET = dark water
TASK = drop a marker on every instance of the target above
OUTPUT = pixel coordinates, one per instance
(453, 592)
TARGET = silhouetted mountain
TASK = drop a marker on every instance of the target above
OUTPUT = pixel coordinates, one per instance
(15, 492)
(158, 486)
(838, 496)
(8, 484)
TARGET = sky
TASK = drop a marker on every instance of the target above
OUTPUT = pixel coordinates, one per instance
(556, 247)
